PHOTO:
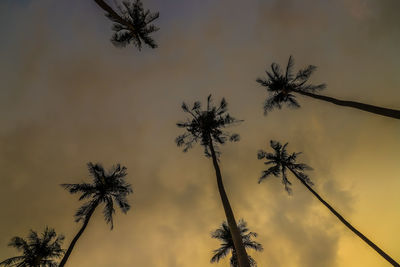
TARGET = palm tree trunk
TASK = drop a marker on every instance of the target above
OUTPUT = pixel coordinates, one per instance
(345, 222)
(77, 236)
(113, 14)
(387, 112)
(237, 239)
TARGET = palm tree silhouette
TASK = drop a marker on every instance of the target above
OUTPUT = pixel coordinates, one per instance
(132, 24)
(107, 187)
(206, 127)
(224, 234)
(281, 87)
(37, 251)
(281, 162)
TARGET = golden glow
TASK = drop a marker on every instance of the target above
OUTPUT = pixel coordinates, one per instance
(69, 97)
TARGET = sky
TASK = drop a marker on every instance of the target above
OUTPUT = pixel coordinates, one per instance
(69, 97)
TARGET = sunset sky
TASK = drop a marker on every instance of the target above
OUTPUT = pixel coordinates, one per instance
(69, 97)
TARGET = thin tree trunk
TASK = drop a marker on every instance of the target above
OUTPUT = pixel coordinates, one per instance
(345, 222)
(387, 112)
(114, 14)
(237, 238)
(77, 236)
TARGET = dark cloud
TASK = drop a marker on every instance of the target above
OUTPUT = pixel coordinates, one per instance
(69, 97)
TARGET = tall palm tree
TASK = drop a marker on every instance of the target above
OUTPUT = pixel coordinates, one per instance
(281, 87)
(281, 162)
(107, 187)
(207, 127)
(132, 24)
(37, 251)
(224, 234)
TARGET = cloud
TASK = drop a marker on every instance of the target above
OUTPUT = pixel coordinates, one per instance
(70, 97)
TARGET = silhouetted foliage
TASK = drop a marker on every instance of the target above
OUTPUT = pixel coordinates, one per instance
(37, 250)
(282, 161)
(206, 126)
(107, 187)
(132, 23)
(224, 234)
(281, 85)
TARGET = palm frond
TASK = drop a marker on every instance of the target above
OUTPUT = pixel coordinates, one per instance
(122, 203)
(109, 211)
(78, 188)
(289, 69)
(13, 261)
(276, 70)
(252, 261)
(263, 82)
(86, 209)
(271, 103)
(292, 102)
(220, 253)
(253, 245)
(96, 171)
(313, 88)
(274, 170)
(285, 181)
(304, 177)
(261, 154)
(19, 243)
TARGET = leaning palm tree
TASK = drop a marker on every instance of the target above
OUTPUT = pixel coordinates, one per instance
(282, 86)
(282, 162)
(207, 127)
(107, 187)
(37, 251)
(224, 234)
(132, 24)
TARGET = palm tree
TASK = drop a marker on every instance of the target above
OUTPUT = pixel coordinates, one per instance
(107, 187)
(282, 162)
(206, 127)
(224, 234)
(281, 87)
(132, 24)
(37, 251)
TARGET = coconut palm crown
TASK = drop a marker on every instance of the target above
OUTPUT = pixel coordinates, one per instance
(37, 250)
(281, 85)
(281, 161)
(206, 126)
(107, 187)
(223, 234)
(132, 24)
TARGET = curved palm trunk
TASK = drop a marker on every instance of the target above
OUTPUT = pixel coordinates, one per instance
(387, 112)
(77, 236)
(237, 239)
(345, 222)
(113, 14)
